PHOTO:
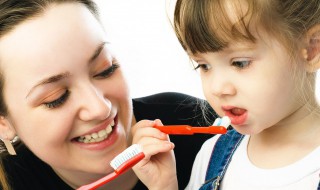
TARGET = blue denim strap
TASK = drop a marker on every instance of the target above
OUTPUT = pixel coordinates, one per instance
(220, 158)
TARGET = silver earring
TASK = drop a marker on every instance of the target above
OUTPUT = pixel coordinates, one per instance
(9, 146)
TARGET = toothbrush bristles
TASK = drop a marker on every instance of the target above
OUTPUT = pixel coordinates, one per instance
(224, 121)
(127, 154)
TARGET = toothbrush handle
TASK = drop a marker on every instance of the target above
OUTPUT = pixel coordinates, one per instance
(188, 130)
(100, 182)
(210, 130)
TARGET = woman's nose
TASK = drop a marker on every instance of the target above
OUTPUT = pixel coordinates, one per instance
(94, 105)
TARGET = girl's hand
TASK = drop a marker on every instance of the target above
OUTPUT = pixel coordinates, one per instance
(158, 169)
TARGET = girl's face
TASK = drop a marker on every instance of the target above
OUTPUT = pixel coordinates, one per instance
(68, 100)
(253, 84)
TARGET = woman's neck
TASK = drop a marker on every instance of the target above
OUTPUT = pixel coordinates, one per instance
(125, 181)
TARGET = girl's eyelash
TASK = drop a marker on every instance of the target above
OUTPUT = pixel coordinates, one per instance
(108, 72)
(204, 67)
(241, 64)
(58, 102)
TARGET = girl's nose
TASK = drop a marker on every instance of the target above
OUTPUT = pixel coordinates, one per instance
(221, 85)
(94, 105)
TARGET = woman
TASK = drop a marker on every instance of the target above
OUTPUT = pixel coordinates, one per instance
(64, 95)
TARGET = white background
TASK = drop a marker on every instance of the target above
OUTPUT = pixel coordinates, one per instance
(144, 40)
(149, 51)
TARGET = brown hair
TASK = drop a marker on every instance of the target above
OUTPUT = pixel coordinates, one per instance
(13, 13)
(205, 26)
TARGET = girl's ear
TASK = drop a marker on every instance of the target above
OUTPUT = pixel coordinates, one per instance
(7, 131)
(311, 53)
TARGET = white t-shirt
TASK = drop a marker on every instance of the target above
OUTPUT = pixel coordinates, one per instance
(242, 174)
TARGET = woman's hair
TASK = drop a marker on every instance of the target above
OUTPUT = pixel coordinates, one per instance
(13, 13)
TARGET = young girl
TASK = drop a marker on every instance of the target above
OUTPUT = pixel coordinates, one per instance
(62, 92)
(258, 61)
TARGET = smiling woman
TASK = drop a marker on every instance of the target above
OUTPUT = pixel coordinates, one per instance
(65, 98)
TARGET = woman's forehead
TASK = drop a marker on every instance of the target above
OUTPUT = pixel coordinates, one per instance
(64, 29)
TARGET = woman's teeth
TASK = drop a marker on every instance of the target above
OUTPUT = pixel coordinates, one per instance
(97, 136)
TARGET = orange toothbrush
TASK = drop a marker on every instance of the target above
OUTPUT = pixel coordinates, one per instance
(220, 126)
(188, 130)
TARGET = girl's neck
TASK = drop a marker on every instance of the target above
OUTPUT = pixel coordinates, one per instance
(288, 141)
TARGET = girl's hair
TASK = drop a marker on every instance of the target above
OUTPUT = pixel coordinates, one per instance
(207, 26)
(13, 13)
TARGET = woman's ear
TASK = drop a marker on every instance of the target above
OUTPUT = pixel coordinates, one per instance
(7, 131)
(311, 52)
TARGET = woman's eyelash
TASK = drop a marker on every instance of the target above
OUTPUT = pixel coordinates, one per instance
(109, 71)
(58, 102)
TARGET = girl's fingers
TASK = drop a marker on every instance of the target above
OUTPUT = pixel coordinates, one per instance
(142, 124)
(155, 148)
(144, 129)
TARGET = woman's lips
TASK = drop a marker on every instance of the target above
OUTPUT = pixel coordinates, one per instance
(238, 116)
(99, 144)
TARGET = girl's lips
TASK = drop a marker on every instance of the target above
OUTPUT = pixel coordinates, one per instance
(238, 116)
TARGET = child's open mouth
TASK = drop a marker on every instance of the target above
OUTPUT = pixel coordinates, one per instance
(237, 111)
(238, 116)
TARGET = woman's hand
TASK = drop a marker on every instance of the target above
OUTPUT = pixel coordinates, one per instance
(158, 169)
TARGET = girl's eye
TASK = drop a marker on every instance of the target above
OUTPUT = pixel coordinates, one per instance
(241, 64)
(58, 102)
(108, 72)
(203, 67)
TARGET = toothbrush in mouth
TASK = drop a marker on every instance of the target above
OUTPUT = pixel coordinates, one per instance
(220, 126)
(121, 163)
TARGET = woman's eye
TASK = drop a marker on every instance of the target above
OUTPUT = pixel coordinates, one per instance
(58, 102)
(202, 67)
(241, 64)
(108, 72)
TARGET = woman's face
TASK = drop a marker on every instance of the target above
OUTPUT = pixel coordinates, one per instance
(63, 88)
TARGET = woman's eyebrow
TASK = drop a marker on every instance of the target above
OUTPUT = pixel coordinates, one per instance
(61, 76)
(50, 79)
(97, 52)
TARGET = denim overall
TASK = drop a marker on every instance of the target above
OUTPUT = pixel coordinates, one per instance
(220, 159)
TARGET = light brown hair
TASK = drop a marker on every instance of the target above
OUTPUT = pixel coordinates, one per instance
(206, 26)
(13, 13)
